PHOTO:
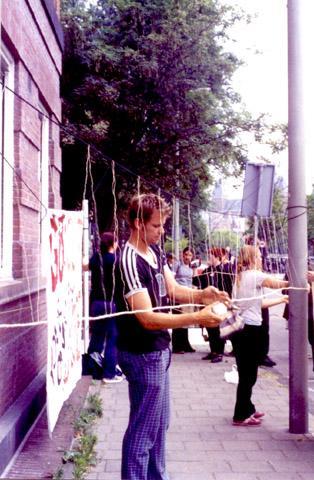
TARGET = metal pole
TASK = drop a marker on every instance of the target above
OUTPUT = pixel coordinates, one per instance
(85, 276)
(297, 224)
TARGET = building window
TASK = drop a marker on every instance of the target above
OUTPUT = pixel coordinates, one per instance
(6, 163)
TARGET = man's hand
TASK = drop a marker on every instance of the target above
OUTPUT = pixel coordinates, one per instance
(212, 294)
(207, 318)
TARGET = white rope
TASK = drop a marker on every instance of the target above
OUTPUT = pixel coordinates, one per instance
(167, 307)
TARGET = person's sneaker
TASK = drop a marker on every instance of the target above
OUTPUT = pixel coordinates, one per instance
(119, 372)
(209, 356)
(217, 358)
(267, 362)
(115, 379)
(97, 357)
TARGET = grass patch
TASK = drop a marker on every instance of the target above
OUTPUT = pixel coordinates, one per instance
(58, 475)
(82, 453)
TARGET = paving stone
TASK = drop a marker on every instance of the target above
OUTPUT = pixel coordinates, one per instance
(202, 444)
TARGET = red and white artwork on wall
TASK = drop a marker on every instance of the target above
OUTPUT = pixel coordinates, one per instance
(64, 303)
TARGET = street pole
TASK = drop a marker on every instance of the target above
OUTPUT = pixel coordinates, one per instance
(297, 224)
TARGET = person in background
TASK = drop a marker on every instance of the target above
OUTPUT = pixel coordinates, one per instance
(183, 274)
(230, 257)
(102, 347)
(265, 360)
(310, 318)
(249, 285)
(171, 260)
(145, 285)
(220, 275)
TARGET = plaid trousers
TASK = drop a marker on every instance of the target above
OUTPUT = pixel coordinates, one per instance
(143, 448)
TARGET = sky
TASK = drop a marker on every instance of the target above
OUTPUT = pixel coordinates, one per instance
(263, 81)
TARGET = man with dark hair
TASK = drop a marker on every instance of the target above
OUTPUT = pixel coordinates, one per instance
(144, 287)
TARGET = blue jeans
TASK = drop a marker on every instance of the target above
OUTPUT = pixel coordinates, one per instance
(104, 336)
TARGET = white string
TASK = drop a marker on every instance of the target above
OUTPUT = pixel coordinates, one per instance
(191, 240)
(27, 324)
(98, 242)
(115, 226)
(167, 307)
(87, 170)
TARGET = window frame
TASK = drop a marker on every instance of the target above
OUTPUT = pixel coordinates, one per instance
(6, 162)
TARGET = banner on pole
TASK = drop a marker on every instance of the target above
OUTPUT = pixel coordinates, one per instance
(64, 304)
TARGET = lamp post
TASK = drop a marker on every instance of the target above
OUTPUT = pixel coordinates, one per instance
(297, 222)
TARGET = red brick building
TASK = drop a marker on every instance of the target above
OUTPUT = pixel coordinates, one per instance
(30, 168)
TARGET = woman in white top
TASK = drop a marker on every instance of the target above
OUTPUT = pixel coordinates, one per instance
(184, 275)
(246, 343)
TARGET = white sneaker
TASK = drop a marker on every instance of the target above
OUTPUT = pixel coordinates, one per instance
(115, 379)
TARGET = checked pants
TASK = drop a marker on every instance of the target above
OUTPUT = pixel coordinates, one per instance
(143, 448)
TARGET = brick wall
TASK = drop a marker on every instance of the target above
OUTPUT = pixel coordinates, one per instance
(24, 350)
(29, 35)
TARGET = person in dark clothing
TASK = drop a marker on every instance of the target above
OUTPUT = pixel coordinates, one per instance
(145, 286)
(102, 347)
(220, 275)
(310, 314)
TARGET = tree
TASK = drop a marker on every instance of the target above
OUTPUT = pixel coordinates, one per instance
(148, 84)
(310, 220)
(225, 238)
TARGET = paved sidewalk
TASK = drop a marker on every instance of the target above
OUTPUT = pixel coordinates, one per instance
(40, 456)
(202, 444)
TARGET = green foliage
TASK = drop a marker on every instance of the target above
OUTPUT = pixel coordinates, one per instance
(58, 475)
(88, 414)
(169, 245)
(310, 216)
(148, 84)
(82, 455)
(95, 405)
(224, 238)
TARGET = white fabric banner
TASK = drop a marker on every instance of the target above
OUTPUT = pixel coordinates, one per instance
(64, 304)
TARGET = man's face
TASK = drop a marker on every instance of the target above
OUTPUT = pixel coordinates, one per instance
(153, 229)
